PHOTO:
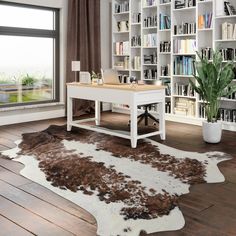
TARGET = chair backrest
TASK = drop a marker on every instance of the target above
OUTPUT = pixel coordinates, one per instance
(110, 76)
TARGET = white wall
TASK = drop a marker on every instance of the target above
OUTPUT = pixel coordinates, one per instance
(35, 112)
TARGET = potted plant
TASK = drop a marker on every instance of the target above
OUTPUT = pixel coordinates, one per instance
(213, 82)
(96, 78)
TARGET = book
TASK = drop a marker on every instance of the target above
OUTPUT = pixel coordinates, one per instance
(225, 31)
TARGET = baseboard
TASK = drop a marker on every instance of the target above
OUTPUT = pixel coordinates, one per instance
(32, 116)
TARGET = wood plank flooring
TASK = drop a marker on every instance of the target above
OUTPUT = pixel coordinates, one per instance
(27, 208)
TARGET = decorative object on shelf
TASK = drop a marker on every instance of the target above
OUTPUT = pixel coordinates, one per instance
(84, 77)
(96, 78)
(75, 66)
(214, 81)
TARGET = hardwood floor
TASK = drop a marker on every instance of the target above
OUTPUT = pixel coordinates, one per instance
(27, 208)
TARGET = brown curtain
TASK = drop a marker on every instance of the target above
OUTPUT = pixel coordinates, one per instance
(83, 43)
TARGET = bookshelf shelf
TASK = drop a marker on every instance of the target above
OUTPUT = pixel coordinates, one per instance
(184, 35)
(226, 17)
(205, 29)
(121, 13)
(225, 40)
(182, 96)
(168, 4)
(205, 2)
(150, 7)
(154, 62)
(185, 9)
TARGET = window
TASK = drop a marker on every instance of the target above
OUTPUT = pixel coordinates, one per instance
(29, 54)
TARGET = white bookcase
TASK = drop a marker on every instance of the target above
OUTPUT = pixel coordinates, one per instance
(138, 64)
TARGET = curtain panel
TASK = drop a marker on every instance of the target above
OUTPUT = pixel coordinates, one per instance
(83, 44)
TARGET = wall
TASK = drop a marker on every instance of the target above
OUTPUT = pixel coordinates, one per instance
(36, 112)
(106, 39)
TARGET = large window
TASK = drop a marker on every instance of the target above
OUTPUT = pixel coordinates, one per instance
(29, 54)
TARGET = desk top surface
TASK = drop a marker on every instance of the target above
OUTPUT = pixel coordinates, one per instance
(129, 87)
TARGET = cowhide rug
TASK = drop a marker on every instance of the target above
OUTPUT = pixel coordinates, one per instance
(127, 190)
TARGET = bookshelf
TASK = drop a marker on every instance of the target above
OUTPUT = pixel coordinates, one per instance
(162, 33)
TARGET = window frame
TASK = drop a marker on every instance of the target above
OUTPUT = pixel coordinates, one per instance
(40, 33)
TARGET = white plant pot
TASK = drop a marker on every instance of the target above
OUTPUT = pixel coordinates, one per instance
(212, 132)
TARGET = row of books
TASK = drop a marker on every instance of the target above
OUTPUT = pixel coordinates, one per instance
(228, 115)
(228, 31)
(183, 65)
(136, 63)
(207, 53)
(184, 107)
(150, 40)
(122, 65)
(150, 59)
(136, 17)
(136, 41)
(184, 90)
(184, 3)
(122, 7)
(228, 54)
(122, 48)
(165, 46)
(164, 1)
(168, 107)
(165, 21)
(185, 28)
(150, 74)
(124, 79)
(147, 3)
(166, 83)
(150, 21)
(224, 8)
(232, 96)
(122, 26)
(205, 21)
(165, 70)
(184, 46)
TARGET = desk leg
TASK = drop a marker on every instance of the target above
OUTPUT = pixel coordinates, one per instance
(69, 113)
(162, 120)
(133, 125)
(97, 112)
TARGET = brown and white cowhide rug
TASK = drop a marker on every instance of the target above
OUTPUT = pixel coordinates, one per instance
(127, 190)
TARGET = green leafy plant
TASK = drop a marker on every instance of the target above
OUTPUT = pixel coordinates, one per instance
(28, 80)
(95, 76)
(214, 80)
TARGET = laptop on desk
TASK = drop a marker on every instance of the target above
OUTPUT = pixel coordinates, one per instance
(110, 76)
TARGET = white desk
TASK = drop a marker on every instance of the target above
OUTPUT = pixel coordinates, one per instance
(132, 96)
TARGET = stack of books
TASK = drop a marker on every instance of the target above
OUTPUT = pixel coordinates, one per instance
(136, 41)
(165, 21)
(183, 46)
(184, 3)
(184, 90)
(165, 70)
(150, 74)
(185, 107)
(207, 53)
(228, 54)
(185, 28)
(228, 31)
(122, 7)
(136, 63)
(148, 3)
(165, 46)
(122, 48)
(122, 65)
(150, 59)
(150, 40)
(228, 115)
(183, 65)
(150, 21)
(168, 107)
(205, 21)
